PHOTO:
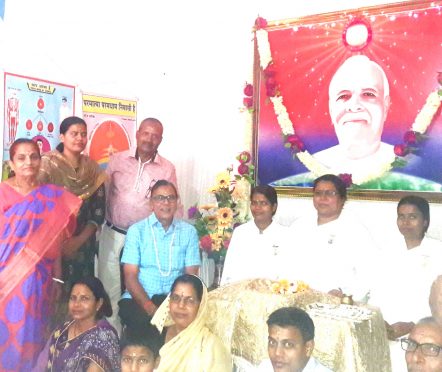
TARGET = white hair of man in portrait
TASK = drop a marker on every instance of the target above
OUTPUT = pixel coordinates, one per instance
(359, 100)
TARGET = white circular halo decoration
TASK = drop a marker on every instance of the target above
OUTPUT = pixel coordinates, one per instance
(357, 35)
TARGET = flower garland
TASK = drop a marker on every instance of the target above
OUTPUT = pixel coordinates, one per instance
(292, 141)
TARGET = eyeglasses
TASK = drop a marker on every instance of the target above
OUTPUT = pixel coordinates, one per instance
(261, 203)
(426, 349)
(187, 301)
(164, 198)
(327, 193)
(149, 189)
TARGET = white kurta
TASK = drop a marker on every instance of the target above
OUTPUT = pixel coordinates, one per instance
(405, 279)
(252, 254)
(403, 286)
(338, 254)
(312, 366)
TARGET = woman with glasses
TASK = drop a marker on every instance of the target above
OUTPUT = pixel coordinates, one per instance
(257, 246)
(189, 344)
(332, 243)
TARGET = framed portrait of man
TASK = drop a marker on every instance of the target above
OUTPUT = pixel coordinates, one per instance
(355, 93)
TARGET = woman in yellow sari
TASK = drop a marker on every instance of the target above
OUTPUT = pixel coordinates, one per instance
(190, 346)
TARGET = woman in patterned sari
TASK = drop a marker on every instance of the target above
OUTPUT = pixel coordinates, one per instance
(34, 220)
(68, 167)
(86, 342)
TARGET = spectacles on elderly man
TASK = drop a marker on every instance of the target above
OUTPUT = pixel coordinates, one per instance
(164, 198)
(427, 349)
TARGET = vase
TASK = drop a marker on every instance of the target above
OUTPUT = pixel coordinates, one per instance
(207, 269)
(219, 266)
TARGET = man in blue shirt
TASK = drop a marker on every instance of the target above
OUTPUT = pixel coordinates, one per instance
(157, 250)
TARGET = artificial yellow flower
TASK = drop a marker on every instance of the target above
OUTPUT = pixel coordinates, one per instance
(223, 180)
(217, 242)
(302, 286)
(225, 216)
(212, 222)
(213, 189)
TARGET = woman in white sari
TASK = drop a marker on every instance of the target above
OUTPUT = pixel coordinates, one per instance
(407, 272)
(257, 247)
(190, 346)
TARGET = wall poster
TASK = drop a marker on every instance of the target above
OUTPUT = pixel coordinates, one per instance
(34, 108)
(111, 125)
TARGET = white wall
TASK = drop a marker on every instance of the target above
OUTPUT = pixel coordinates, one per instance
(186, 61)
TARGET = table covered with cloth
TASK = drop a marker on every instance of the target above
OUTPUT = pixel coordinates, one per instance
(347, 338)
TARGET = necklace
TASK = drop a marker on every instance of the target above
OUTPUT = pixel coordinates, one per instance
(157, 254)
(77, 331)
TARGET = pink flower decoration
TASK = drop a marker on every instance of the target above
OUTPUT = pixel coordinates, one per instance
(270, 82)
(248, 90)
(271, 91)
(243, 169)
(292, 139)
(260, 23)
(206, 243)
(346, 178)
(295, 143)
(269, 71)
(226, 243)
(247, 102)
(410, 137)
(401, 150)
(244, 157)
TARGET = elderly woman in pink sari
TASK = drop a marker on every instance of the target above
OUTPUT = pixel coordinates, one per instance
(34, 220)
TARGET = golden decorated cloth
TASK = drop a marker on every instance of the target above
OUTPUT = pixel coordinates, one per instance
(82, 181)
(347, 338)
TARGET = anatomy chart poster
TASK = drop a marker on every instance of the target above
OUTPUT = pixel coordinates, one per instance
(34, 108)
(111, 125)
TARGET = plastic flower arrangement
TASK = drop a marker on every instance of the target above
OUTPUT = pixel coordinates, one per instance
(215, 222)
(283, 286)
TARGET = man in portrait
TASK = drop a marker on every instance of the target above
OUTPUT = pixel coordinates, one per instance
(359, 100)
